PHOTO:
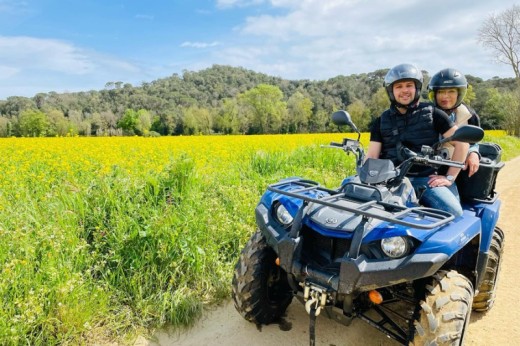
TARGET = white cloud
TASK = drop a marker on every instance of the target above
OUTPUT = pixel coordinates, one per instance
(30, 65)
(189, 44)
(293, 39)
(238, 3)
(13, 6)
(320, 39)
(406, 41)
(28, 52)
(245, 56)
(35, 53)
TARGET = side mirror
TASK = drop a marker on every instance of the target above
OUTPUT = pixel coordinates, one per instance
(467, 134)
(343, 118)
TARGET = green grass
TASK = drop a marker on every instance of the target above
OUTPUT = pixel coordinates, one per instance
(103, 258)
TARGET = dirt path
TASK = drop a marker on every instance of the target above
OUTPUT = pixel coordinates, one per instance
(499, 326)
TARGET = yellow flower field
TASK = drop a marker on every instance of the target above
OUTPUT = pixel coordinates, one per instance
(103, 237)
(140, 231)
(48, 160)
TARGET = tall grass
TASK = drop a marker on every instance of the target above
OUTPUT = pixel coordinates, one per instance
(101, 239)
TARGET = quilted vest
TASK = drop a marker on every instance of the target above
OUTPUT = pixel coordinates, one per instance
(414, 129)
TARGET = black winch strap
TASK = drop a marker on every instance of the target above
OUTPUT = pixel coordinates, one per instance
(312, 324)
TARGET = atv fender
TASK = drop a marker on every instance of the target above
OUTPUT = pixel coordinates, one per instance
(489, 214)
(453, 237)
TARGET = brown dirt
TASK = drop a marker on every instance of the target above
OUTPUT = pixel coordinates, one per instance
(499, 326)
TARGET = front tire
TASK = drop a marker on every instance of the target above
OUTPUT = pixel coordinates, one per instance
(487, 289)
(444, 313)
(261, 292)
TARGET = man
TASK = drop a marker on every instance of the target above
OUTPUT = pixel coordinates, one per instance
(412, 124)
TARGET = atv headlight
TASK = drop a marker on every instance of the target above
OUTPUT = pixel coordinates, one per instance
(282, 215)
(395, 247)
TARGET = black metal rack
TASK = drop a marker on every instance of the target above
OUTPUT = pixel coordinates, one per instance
(376, 209)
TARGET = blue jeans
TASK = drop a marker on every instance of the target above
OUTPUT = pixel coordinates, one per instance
(442, 197)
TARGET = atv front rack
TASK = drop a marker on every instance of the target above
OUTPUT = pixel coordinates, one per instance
(311, 191)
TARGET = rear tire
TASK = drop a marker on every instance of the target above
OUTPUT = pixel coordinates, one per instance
(487, 289)
(444, 313)
(261, 292)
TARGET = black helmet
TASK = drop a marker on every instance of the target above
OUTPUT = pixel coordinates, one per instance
(448, 78)
(403, 72)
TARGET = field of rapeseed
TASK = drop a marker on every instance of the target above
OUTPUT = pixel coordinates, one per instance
(101, 238)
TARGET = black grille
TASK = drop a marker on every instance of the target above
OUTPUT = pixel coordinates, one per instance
(322, 251)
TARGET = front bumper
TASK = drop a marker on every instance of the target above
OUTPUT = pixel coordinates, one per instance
(355, 274)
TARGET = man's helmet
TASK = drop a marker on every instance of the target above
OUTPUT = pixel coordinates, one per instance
(403, 72)
(449, 78)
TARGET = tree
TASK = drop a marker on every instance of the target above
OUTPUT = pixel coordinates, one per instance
(197, 120)
(379, 102)
(470, 95)
(84, 128)
(144, 122)
(15, 105)
(190, 125)
(96, 124)
(299, 112)
(492, 114)
(128, 122)
(501, 33)
(167, 122)
(5, 127)
(136, 122)
(511, 120)
(236, 100)
(230, 119)
(109, 121)
(33, 123)
(360, 115)
(319, 121)
(267, 107)
(59, 125)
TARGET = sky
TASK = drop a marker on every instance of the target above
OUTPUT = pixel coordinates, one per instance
(81, 45)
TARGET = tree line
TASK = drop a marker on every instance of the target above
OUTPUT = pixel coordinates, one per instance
(232, 100)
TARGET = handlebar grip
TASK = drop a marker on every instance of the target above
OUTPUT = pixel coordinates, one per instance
(335, 144)
(445, 162)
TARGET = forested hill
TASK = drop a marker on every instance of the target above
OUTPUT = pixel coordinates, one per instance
(222, 99)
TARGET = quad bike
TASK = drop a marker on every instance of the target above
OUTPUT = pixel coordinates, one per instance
(368, 250)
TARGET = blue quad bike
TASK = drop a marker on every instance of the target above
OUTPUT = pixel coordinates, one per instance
(368, 250)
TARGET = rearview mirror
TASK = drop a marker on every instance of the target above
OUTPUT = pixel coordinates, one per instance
(467, 134)
(343, 118)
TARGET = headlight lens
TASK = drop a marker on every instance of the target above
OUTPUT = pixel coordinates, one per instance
(282, 214)
(395, 247)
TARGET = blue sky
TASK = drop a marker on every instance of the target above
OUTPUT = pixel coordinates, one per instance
(69, 45)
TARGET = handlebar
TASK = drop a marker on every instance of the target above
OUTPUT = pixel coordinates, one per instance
(426, 158)
(350, 146)
(434, 161)
(438, 161)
